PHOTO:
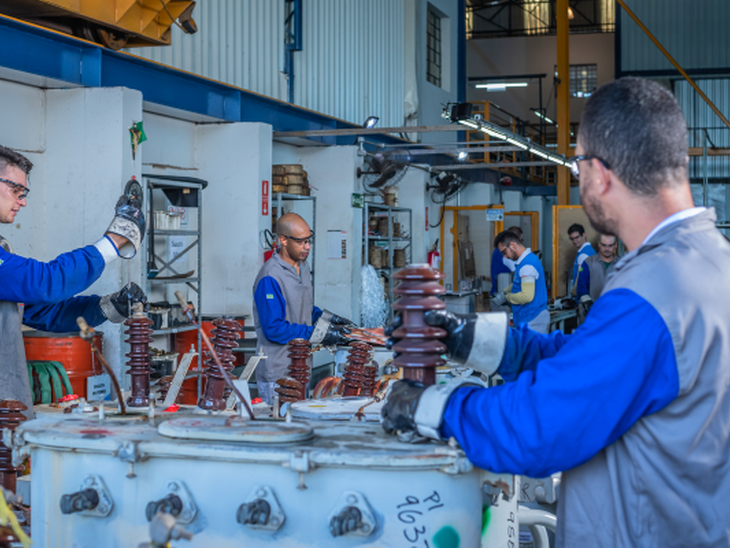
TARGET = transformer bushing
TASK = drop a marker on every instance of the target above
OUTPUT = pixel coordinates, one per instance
(357, 360)
(418, 348)
(225, 338)
(139, 363)
(369, 381)
(11, 415)
(294, 387)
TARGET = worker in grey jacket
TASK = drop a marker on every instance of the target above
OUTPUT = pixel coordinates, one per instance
(592, 274)
(284, 307)
(634, 407)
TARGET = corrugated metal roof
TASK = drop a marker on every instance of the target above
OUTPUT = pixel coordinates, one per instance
(700, 116)
(693, 31)
(351, 65)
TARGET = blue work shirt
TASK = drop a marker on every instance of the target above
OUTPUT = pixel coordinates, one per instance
(498, 267)
(528, 265)
(585, 251)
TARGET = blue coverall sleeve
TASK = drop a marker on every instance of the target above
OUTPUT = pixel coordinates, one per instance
(271, 308)
(29, 281)
(584, 280)
(525, 348)
(61, 317)
(576, 402)
(316, 313)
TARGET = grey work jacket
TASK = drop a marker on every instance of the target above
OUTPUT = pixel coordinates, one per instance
(666, 481)
(14, 383)
(299, 296)
(598, 274)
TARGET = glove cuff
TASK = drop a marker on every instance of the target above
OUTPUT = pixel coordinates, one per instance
(326, 315)
(107, 249)
(109, 310)
(585, 298)
(431, 406)
(490, 341)
(320, 330)
(129, 230)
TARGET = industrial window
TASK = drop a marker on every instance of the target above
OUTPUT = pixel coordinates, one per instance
(433, 59)
(582, 80)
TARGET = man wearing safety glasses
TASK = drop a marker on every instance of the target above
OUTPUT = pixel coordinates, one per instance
(634, 406)
(46, 291)
(284, 305)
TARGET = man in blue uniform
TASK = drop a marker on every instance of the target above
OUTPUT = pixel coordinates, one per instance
(577, 235)
(528, 294)
(284, 306)
(41, 295)
(501, 264)
(634, 406)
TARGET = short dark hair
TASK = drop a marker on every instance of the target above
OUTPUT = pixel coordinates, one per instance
(505, 238)
(575, 227)
(637, 127)
(516, 230)
(8, 157)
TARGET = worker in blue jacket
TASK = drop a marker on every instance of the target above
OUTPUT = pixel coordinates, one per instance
(634, 406)
(577, 235)
(284, 305)
(42, 295)
(500, 264)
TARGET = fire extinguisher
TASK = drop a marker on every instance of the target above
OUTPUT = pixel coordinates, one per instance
(271, 243)
(434, 257)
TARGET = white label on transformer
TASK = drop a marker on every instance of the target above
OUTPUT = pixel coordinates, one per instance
(98, 387)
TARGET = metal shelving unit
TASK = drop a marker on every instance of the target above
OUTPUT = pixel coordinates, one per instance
(393, 214)
(180, 192)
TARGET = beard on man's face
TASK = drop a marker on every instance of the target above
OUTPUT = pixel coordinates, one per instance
(597, 214)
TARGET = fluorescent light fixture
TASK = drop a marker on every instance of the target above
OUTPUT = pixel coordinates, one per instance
(501, 86)
(541, 115)
(517, 143)
(541, 154)
(371, 122)
(469, 123)
(463, 155)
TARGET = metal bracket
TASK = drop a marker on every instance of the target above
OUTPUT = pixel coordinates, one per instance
(106, 503)
(544, 490)
(276, 516)
(299, 461)
(189, 508)
(127, 452)
(367, 522)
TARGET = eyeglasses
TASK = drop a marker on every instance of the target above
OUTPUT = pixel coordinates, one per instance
(19, 191)
(575, 168)
(302, 241)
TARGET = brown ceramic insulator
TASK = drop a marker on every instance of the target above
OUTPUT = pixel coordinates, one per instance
(226, 332)
(11, 415)
(289, 390)
(419, 347)
(139, 363)
(354, 375)
(163, 387)
(299, 352)
(369, 381)
(8, 538)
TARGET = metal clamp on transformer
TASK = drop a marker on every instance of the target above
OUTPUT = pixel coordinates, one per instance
(93, 499)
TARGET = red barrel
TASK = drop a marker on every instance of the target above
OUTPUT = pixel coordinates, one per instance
(68, 348)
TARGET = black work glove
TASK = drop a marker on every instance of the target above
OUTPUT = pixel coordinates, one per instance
(339, 320)
(335, 335)
(399, 410)
(116, 307)
(459, 331)
(128, 223)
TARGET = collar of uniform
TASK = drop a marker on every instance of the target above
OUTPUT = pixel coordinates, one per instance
(679, 216)
(704, 220)
(525, 253)
(585, 244)
(283, 263)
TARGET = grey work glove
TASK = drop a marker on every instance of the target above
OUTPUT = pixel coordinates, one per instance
(326, 333)
(128, 223)
(412, 408)
(500, 298)
(116, 307)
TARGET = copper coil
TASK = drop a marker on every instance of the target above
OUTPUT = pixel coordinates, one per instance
(419, 348)
(369, 381)
(289, 390)
(139, 340)
(354, 376)
(11, 415)
(225, 333)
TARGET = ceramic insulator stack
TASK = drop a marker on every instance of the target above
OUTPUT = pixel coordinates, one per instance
(11, 415)
(357, 359)
(225, 332)
(369, 382)
(419, 347)
(294, 387)
(139, 363)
